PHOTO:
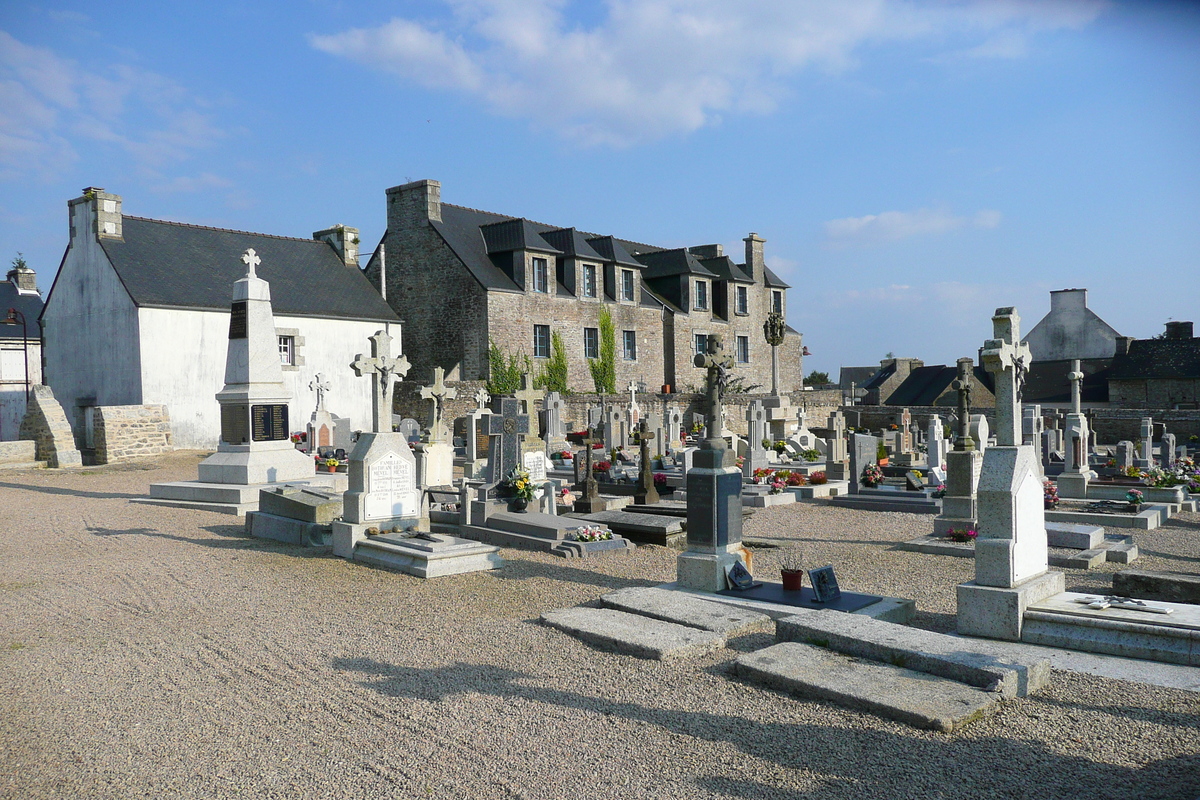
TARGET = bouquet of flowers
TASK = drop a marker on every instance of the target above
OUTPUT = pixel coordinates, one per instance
(1049, 495)
(818, 478)
(762, 475)
(961, 535)
(519, 484)
(601, 466)
(566, 455)
(660, 479)
(777, 486)
(872, 475)
(1134, 497)
(940, 491)
(591, 533)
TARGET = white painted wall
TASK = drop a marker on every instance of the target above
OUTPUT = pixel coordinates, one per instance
(90, 326)
(12, 383)
(183, 367)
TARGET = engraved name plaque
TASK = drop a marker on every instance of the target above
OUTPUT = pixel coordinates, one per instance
(235, 428)
(391, 488)
(269, 423)
(237, 320)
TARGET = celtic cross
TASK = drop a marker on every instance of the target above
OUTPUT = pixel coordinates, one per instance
(320, 387)
(718, 363)
(962, 385)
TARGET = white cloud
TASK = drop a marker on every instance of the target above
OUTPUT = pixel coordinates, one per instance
(654, 68)
(49, 105)
(891, 226)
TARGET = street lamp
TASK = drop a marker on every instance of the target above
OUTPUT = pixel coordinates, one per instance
(13, 318)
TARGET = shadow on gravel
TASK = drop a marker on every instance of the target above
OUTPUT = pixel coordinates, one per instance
(231, 541)
(877, 542)
(515, 570)
(1168, 556)
(1181, 719)
(860, 760)
(72, 492)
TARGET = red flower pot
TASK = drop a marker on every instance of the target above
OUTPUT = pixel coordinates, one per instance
(793, 579)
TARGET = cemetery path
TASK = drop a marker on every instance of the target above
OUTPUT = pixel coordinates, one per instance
(151, 652)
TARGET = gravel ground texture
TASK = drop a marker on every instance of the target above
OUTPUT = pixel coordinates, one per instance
(150, 652)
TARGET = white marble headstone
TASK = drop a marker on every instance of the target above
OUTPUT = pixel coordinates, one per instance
(391, 489)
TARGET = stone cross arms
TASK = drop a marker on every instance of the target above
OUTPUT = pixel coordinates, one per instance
(384, 370)
(438, 393)
(1075, 376)
(1008, 358)
(251, 260)
(718, 363)
(962, 385)
(320, 387)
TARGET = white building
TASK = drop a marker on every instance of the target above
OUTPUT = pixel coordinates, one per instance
(139, 314)
(20, 347)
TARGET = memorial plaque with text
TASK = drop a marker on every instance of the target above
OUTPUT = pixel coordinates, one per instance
(234, 427)
(391, 488)
(237, 320)
(269, 423)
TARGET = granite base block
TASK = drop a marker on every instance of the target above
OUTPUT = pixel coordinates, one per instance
(261, 525)
(993, 612)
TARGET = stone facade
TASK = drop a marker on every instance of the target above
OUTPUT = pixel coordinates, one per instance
(124, 432)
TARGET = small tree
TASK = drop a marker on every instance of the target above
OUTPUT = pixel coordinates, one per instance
(817, 379)
(553, 378)
(18, 263)
(604, 368)
(504, 369)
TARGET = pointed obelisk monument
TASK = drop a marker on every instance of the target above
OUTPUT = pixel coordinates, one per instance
(256, 444)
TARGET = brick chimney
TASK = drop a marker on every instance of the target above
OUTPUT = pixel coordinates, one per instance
(754, 257)
(1179, 330)
(97, 211)
(414, 205)
(343, 240)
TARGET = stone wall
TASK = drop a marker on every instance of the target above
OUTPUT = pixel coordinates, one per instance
(46, 424)
(123, 432)
(1154, 392)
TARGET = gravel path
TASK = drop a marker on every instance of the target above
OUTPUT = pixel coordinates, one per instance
(151, 652)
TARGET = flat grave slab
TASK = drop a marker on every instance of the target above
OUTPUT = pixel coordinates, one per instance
(1147, 519)
(643, 528)
(262, 525)
(1172, 587)
(803, 598)
(685, 609)
(914, 698)
(756, 500)
(633, 634)
(428, 555)
(903, 502)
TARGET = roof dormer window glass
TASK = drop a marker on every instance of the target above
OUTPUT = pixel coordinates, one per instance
(589, 280)
(777, 301)
(627, 285)
(540, 277)
(743, 300)
(701, 296)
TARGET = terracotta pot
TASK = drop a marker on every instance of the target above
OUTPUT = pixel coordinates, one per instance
(883, 462)
(793, 579)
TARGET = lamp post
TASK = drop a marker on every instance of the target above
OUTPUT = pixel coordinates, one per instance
(13, 318)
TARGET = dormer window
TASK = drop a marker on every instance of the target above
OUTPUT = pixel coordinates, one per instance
(743, 300)
(589, 280)
(540, 277)
(627, 285)
(777, 301)
(701, 296)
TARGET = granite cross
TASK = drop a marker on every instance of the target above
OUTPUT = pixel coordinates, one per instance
(528, 395)
(590, 489)
(383, 370)
(320, 387)
(1075, 376)
(438, 393)
(718, 364)
(645, 474)
(506, 429)
(482, 398)
(1008, 358)
(774, 330)
(962, 385)
(251, 260)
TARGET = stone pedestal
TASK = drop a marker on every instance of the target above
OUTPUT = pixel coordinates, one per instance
(996, 612)
(436, 464)
(714, 517)
(383, 490)
(1073, 485)
(960, 506)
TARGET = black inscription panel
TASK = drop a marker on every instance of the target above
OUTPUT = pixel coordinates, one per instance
(269, 423)
(237, 320)
(234, 424)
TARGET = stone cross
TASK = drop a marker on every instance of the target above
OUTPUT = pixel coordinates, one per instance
(962, 385)
(439, 392)
(383, 370)
(320, 387)
(645, 474)
(590, 488)
(251, 260)
(528, 395)
(1076, 379)
(718, 363)
(506, 429)
(632, 389)
(774, 330)
(1008, 358)
(482, 398)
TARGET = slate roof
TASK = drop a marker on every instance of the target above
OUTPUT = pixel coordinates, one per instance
(515, 234)
(613, 249)
(724, 268)
(678, 261)
(30, 305)
(572, 243)
(175, 265)
(772, 280)
(1046, 381)
(856, 375)
(1158, 358)
(881, 375)
(924, 385)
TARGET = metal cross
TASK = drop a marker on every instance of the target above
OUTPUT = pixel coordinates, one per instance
(438, 393)
(320, 387)
(251, 260)
(718, 364)
(645, 475)
(383, 370)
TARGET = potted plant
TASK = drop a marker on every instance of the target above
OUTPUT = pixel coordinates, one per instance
(872, 475)
(1135, 498)
(818, 478)
(331, 464)
(962, 535)
(881, 455)
(777, 485)
(601, 468)
(591, 533)
(791, 572)
(1049, 495)
(519, 486)
(813, 454)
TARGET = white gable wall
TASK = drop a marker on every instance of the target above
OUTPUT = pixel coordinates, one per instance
(183, 367)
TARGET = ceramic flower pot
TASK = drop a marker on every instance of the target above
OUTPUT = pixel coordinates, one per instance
(519, 505)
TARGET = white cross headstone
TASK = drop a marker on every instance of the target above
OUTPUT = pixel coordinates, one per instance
(439, 392)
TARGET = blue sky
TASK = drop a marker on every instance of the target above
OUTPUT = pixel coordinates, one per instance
(912, 165)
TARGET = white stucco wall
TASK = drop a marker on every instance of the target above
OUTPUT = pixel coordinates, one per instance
(90, 326)
(183, 367)
(12, 383)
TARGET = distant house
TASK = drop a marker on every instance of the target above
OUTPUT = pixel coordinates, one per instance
(463, 278)
(20, 346)
(139, 314)
(1071, 330)
(891, 373)
(931, 386)
(1157, 373)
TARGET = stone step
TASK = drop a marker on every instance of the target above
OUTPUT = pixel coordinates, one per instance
(888, 501)
(686, 609)
(914, 698)
(447, 555)
(23, 465)
(1073, 535)
(633, 634)
(985, 665)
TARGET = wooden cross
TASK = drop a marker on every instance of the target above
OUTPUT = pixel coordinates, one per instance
(962, 385)
(590, 489)
(320, 387)
(251, 260)
(718, 364)
(1008, 358)
(383, 370)
(527, 394)
(438, 393)
(506, 429)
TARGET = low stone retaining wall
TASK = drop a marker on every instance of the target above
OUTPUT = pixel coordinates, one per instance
(123, 432)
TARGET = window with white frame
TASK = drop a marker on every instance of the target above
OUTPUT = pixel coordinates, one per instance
(777, 301)
(701, 296)
(630, 345)
(589, 280)
(287, 350)
(627, 284)
(743, 300)
(700, 342)
(591, 342)
(743, 349)
(541, 282)
(541, 341)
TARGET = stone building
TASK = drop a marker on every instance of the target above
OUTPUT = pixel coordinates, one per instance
(20, 347)
(139, 315)
(1157, 373)
(1071, 330)
(461, 278)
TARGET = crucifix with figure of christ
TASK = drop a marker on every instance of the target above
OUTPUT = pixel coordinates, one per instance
(439, 392)
(320, 387)
(1008, 358)
(718, 363)
(384, 370)
(962, 385)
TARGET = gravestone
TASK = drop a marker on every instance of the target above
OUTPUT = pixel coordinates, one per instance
(1032, 425)
(863, 450)
(1124, 455)
(552, 423)
(654, 424)
(506, 426)
(1167, 451)
(935, 443)
(477, 440)
(835, 456)
(595, 416)
(1076, 474)
(435, 458)
(615, 434)
(529, 397)
(647, 494)
(410, 429)
(756, 427)
(321, 426)
(590, 501)
(633, 412)
(674, 440)
(1144, 458)
(980, 432)
(1010, 550)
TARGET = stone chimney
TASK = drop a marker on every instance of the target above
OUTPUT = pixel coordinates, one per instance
(1123, 343)
(754, 257)
(1065, 299)
(707, 251)
(414, 205)
(98, 211)
(1179, 330)
(343, 240)
(23, 278)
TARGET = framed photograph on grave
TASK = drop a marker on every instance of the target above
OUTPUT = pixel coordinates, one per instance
(740, 577)
(824, 584)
